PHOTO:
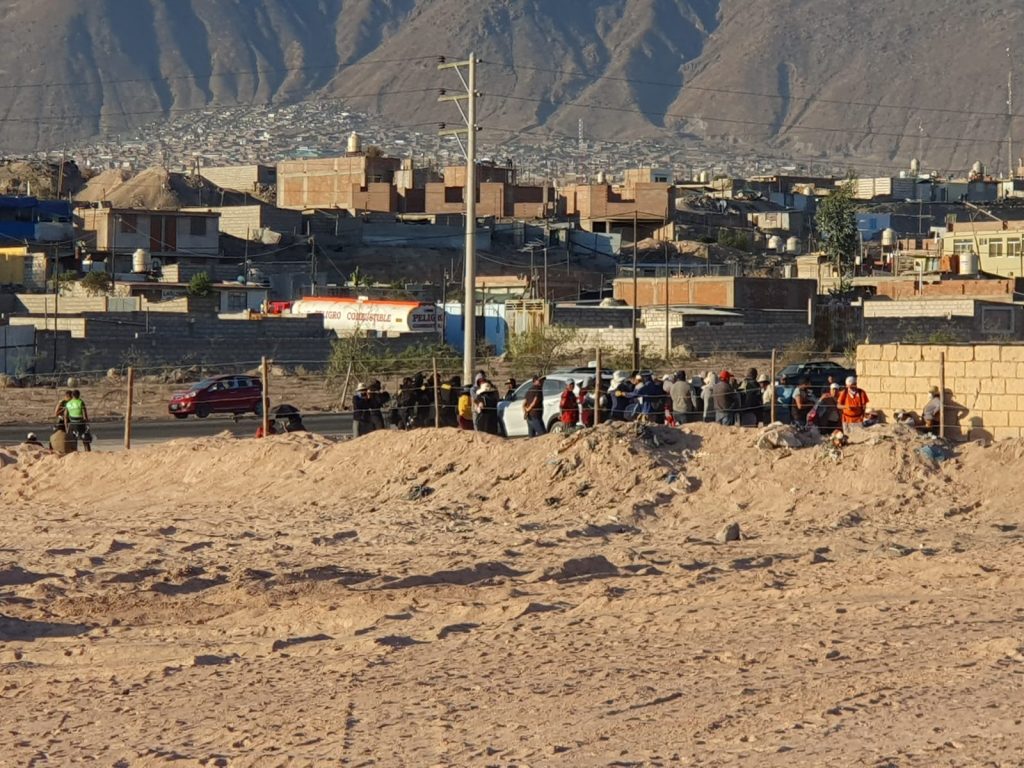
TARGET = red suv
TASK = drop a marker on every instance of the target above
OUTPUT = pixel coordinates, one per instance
(218, 394)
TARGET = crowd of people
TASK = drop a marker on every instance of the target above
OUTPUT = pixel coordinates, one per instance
(675, 398)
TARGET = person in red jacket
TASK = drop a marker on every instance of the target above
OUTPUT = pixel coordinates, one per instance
(586, 401)
(569, 406)
(852, 403)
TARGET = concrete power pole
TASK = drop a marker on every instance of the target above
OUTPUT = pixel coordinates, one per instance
(469, 194)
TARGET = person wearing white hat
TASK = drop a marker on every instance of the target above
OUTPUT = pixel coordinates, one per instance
(853, 404)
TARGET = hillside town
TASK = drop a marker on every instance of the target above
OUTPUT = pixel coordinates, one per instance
(100, 267)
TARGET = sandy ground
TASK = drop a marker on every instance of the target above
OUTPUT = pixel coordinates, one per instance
(446, 599)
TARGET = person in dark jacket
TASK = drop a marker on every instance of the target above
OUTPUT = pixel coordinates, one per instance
(681, 393)
(750, 400)
(725, 400)
(486, 407)
(449, 398)
(379, 398)
(651, 394)
(618, 391)
(362, 423)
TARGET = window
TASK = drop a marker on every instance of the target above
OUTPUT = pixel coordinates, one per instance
(995, 249)
(129, 223)
(1013, 249)
(996, 320)
(963, 246)
(197, 226)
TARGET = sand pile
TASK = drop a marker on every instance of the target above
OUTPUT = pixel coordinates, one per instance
(444, 598)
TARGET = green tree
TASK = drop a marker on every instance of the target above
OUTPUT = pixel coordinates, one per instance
(97, 283)
(200, 285)
(837, 223)
(541, 348)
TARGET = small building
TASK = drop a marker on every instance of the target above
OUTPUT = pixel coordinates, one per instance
(28, 219)
(22, 267)
(998, 246)
(121, 231)
(248, 179)
(259, 222)
(728, 292)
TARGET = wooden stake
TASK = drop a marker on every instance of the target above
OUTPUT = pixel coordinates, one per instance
(128, 410)
(942, 395)
(772, 385)
(265, 398)
(437, 395)
(344, 387)
(597, 388)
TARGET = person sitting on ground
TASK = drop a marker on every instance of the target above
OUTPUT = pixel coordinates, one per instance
(931, 412)
(271, 430)
(32, 441)
(568, 406)
(853, 404)
(59, 442)
(803, 403)
(826, 412)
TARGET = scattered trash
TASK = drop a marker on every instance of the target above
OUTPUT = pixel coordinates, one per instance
(417, 492)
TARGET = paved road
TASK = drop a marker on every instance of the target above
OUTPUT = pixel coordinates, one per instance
(110, 435)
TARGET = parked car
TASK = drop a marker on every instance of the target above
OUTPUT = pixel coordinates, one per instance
(510, 412)
(817, 372)
(230, 393)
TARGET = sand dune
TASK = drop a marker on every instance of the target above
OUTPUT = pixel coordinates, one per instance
(444, 598)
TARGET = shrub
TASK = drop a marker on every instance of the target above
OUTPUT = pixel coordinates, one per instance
(200, 285)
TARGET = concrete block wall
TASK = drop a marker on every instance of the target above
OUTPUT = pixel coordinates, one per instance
(700, 341)
(984, 384)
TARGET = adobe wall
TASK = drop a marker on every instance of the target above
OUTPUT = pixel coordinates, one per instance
(984, 384)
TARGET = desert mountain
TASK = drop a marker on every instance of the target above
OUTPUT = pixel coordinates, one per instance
(879, 79)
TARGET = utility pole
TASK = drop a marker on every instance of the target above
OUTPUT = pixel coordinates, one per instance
(1009, 110)
(469, 193)
(312, 265)
(636, 299)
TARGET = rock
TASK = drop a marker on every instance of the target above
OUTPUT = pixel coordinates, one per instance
(731, 532)
(113, 374)
(72, 382)
(784, 436)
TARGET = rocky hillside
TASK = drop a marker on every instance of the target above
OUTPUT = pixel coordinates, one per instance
(876, 78)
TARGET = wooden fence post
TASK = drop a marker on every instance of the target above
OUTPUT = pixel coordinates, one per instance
(942, 395)
(265, 397)
(128, 410)
(437, 395)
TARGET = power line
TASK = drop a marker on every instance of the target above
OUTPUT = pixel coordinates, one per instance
(222, 73)
(771, 124)
(212, 107)
(681, 85)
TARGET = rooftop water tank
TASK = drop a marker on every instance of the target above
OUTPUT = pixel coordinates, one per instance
(915, 166)
(602, 177)
(793, 246)
(888, 237)
(704, 177)
(140, 261)
(775, 243)
(969, 264)
(978, 169)
(355, 144)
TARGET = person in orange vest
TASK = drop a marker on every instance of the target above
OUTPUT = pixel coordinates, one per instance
(852, 403)
(569, 406)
